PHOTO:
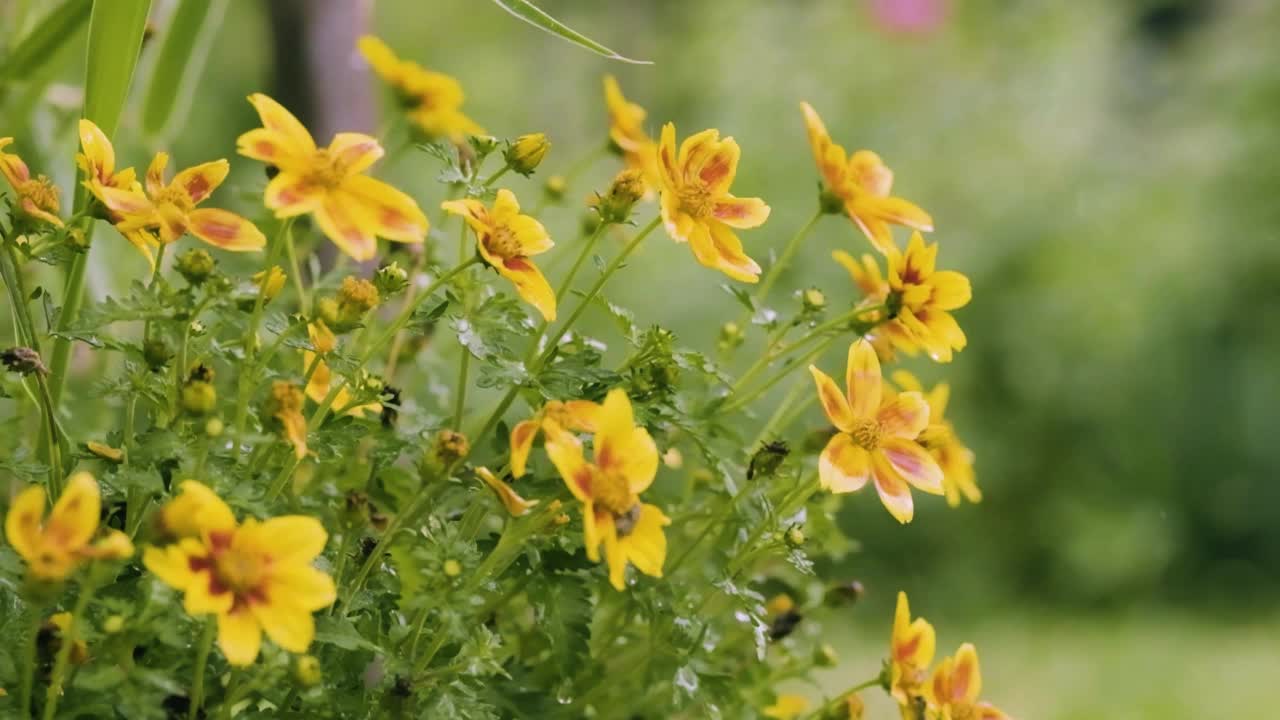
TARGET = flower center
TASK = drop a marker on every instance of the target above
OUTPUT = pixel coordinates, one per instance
(867, 434)
(41, 191)
(326, 171)
(503, 243)
(610, 491)
(695, 199)
(238, 570)
(176, 197)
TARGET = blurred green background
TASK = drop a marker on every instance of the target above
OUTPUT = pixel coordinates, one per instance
(1105, 171)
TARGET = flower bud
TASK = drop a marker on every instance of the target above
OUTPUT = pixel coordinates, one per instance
(624, 192)
(23, 361)
(214, 428)
(526, 152)
(391, 279)
(555, 187)
(106, 452)
(113, 624)
(452, 568)
(327, 311)
(813, 299)
(307, 671)
(199, 398)
(673, 458)
(195, 265)
(322, 338)
(825, 656)
(449, 447)
(156, 353)
(795, 536)
(270, 282)
(356, 298)
(731, 336)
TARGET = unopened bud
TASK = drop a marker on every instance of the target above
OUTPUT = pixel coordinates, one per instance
(825, 656)
(813, 299)
(199, 397)
(525, 154)
(113, 624)
(214, 428)
(795, 537)
(673, 458)
(391, 279)
(554, 187)
(731, 336)
(195, 265)
(452, 568)
(307, 671)
(449, 447)
(624, 192)
(270, 282)
(106, 452)
(156, 353)
(356, 298)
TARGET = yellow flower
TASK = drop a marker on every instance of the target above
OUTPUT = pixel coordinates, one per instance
(37, 196)
(697, 207)
(925, 297)
(270, 282)
(195, 510)
(624, 463)
(866, 275)
(254, 577)
(351, 208)
(955, 686)
(510, 499)
(876, 438)
(788, 707)
(169, 209)
(627, 134)
(54, 546)
(862, 182)
(526, 153)
(940, 439)
(433, 100)
(574, 415)
(285, 405)
(97, 160)
(507, 240)
(911, 649)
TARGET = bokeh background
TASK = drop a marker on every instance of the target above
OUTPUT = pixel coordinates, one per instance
(1106, 172)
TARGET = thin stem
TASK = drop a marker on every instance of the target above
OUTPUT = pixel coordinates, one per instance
(250, 372)
(494, 177)
(832, 705)
(739, 400)
(464, 358)
(429, 489)
(151, 286)
(54, 693)
(768, 357)
(197, 674)
(282, 479)
(406, 314)
(29, 661)
(72, 299)
(771, 277)
(587, 247)
(52, 436)
(590, 297)
(340, 569)
(393, 355)
(304, 300)
(797, 387)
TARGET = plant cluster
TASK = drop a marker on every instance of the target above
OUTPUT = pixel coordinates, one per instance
(305, 512)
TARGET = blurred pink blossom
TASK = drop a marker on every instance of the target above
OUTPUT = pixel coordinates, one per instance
(915, 16)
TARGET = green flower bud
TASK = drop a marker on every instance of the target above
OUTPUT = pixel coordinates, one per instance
(199, 397)
(113, 624)
(526, 152)
(825, 656)
(156, 353)
(195, 265)
(555, 187)
(214, 428)
(795, 537)
(813, 299)
(307, 671)
(731, 336)
(391, 279)
(452, 568)
(624, 192)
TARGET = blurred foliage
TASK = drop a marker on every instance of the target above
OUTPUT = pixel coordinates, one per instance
(1105, 171)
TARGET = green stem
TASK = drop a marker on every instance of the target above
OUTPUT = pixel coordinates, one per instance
(464, 358)
(248, 377)
(52, 437)
(494, 177)
(12, 274)
(295, 269)
(403, 319)
(340, 569)
(771, 277)
(54, 694)
(770, 356)
(738, 401)
(151, 286)
(282, 479)
(590, 297)
(72, 299)
(197, 674)
(797, 387)
(27, 681)
(587, 247)
(429, 489)
(831, 706)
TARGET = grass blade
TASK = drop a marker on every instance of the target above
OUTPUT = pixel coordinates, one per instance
(177, 69)
(44, 41)
(530, 13)
(115, 39)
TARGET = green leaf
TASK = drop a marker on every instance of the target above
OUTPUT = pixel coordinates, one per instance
(55, 30)
(115, 39)
(530, 13)
(178, 66)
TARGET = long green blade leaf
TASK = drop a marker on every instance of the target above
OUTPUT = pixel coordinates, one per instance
(181, 60)
(530, 13)
(55, 29)
(115, 39)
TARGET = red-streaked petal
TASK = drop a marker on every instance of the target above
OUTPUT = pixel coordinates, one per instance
(97, 149)
(127, 203)
(391, 213)
(914, 464)
(834, 403)
(894, 492)
(275, 117)
(338, 219)
(530, 284)
(863, 380)
(741, 213)
(904, 416)
(355, 152)
(522, 436)
(155, 173)
(200, 181)
(226, 230)
(843, 466)
(289, 195)
(715, 245)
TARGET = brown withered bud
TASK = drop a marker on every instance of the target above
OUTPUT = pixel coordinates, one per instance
(23, 360)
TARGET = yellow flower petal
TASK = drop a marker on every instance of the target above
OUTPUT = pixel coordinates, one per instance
(914, 464)
(843, 466)
(225, 230)
(894, 493)
(293, 538)
(565, 452)
(522, 436)
(515, 505)
(239, 637)
(741, 213)
(200, 181)
(22, 524)
(276, 118)
(863, 379)
(530, 284)
(390, 213)
(905, 416)
(74, 518)
(645, 546)
(834, 403)
(338, 220)
(288, 626)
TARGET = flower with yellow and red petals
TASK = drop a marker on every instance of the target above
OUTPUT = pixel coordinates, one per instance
(507, 241)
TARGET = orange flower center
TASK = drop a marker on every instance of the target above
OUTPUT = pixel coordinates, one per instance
(240, 571)
(503, 243)
(326, 171)
(696, 200)
(610, 491)
(867, 434)
(41, 191)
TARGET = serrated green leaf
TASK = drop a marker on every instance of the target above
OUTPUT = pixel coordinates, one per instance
(562, 607)
(530, 13)
(182, 57)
